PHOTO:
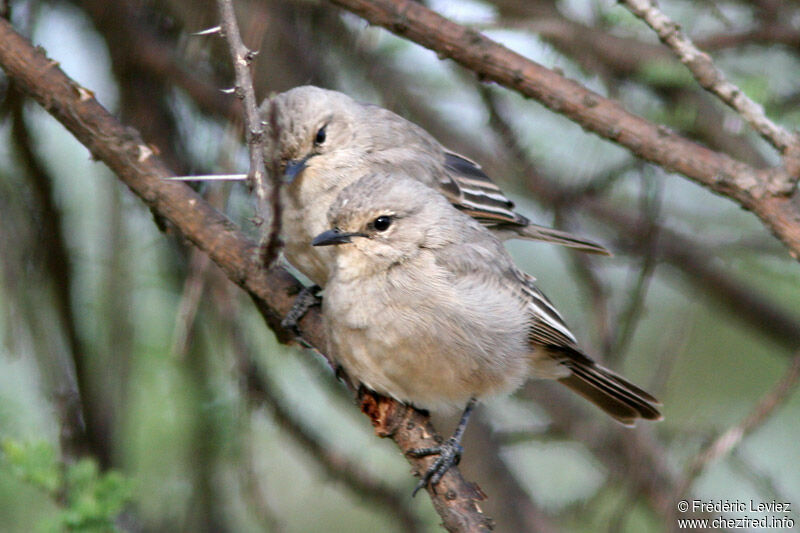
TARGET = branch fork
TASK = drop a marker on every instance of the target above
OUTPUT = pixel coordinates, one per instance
(711, 78)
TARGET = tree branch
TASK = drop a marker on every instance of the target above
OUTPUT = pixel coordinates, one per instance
(710, 77)
(761, 191)
(242, 58)
(692, 259)
(272, 290)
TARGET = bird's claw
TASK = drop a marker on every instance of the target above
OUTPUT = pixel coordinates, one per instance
(449, 455)
(307, 298)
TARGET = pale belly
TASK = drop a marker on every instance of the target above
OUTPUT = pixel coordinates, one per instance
(421, 363)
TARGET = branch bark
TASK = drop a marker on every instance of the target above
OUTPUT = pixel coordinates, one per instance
(242, 58)
(272, 290)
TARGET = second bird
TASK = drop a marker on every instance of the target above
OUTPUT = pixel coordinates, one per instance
(425, 305)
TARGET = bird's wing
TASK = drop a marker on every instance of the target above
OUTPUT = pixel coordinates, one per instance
(547, 327)
(479, 255)
(469, 189)
(471, 251)
(614, 394)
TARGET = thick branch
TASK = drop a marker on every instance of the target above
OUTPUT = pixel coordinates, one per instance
(272, 289)
(752, 188)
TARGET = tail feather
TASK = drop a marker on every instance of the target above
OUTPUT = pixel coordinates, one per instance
(613, 394)
(542, 233)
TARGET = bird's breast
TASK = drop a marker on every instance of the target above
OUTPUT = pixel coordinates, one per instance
(419, 346)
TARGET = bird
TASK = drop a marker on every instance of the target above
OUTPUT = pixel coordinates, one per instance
(425, 305)
(325, 140)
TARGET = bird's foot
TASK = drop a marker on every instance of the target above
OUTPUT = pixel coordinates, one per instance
(449, 455)
(307, 298)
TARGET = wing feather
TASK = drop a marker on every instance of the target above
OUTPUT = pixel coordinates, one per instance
(471, 190)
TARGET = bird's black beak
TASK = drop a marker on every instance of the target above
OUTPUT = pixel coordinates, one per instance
(334, 236)
(294, 167)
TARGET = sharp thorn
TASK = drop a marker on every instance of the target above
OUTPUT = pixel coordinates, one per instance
(209, 177)
(209, 31)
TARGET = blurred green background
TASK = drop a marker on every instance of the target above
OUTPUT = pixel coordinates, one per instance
(95, 298)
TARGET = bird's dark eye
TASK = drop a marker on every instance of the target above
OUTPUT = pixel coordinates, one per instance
(320, 138)
(382, 223)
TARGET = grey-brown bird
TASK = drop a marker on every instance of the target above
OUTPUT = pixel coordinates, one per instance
(425, 305)
(326, 140)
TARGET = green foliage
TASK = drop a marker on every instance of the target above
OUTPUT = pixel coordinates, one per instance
(619, 18)
(680, 116)
(34, 463)
(666, 74)
(756, 87)
(88, 500)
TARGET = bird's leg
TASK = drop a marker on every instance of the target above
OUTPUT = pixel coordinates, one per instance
(307, 298)
(449, 453)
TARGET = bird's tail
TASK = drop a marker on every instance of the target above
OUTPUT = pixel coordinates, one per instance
(613, 394)
(536, 232)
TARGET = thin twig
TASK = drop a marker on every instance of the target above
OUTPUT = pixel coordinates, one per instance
(629, 317)
(193, 288)
(242, 58)
(733, 436)
(710, 77)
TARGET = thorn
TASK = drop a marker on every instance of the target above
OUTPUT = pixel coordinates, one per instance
(209, 31)
(144, 153)
(209, 177)
(84, 94)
